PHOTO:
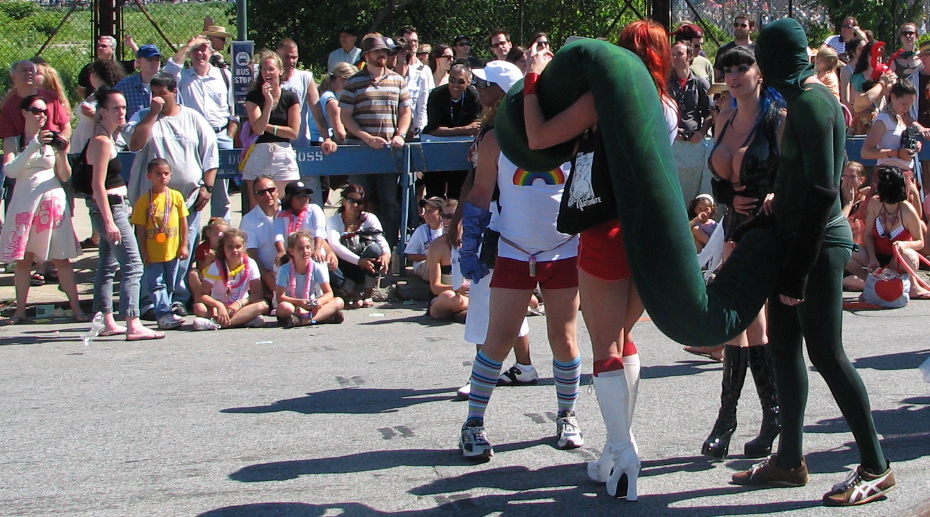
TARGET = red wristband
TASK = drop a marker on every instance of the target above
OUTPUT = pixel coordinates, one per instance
(529, 84)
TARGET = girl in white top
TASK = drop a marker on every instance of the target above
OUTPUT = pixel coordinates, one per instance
(231, 292)
(883, 141)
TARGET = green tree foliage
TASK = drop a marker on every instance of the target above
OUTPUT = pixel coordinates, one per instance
(315, 25)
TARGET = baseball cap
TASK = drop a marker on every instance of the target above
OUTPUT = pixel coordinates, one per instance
(459, 39)
(147, 51)
(501, 73)
(433, 201)
(297, 188)
(689, 31)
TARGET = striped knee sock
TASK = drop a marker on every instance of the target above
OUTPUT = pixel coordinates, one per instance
(567, 382)
(484, 374)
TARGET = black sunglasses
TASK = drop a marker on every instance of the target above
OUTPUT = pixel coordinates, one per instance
(457, 81)
(447, 216)
(481, 83)
(268, 191)
(36, 111)
(354, 201)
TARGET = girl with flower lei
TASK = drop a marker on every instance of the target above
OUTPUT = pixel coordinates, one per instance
(231, 292)
(298, 279)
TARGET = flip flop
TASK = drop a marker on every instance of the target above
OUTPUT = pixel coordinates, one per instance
(710, 353)
(144, 337)
(36, 280)
(921, 296)
(15, 320)
(83, 317)
(108, 332)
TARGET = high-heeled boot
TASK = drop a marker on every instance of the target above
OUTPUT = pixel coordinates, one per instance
(763, 374)
(613, 397)
(600, 470)
(736, 359)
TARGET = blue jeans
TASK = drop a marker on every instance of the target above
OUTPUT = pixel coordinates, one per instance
(161, 278)
(125, 254)
(181, 294)
(219, 198)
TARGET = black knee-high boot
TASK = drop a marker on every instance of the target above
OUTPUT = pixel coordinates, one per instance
(763, 374)
(735, 362)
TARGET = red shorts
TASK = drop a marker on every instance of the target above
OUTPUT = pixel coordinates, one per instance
(602, 253)
(552, 274)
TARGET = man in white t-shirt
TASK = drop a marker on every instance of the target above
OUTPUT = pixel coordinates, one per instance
(258, 226)
(432, 229)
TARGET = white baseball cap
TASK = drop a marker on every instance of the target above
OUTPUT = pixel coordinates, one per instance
(501, 73)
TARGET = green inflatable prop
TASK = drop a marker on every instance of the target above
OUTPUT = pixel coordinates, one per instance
(645, 182)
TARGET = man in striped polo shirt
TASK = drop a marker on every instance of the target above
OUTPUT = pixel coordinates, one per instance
(376, 110)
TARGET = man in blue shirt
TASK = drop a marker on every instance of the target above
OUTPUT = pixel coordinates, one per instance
(136, 87)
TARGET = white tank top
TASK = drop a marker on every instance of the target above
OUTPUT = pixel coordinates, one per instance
(529, 205)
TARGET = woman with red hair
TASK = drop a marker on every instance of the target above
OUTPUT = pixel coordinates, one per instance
(604, 276)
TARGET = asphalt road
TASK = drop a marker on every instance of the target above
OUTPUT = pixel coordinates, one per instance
(359, 419)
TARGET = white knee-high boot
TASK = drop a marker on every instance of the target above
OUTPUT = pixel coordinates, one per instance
(613, 397)
(631, 367)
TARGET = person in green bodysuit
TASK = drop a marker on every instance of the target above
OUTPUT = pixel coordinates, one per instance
(807, 299)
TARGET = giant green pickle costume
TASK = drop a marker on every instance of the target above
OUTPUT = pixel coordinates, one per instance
(646, 186)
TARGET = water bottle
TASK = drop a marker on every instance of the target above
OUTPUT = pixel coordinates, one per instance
(96, 327)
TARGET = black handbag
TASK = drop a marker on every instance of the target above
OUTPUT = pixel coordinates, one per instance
(588, 199)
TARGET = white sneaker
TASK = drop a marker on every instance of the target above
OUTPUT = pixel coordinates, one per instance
(256, 322)
(473, 442)
(516, 376)
(205, 324)
(464, 392)
(567, 431)
(169, 321)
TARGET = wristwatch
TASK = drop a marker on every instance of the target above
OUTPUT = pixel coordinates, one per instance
(208, 188)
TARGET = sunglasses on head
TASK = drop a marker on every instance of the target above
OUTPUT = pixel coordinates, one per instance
(263, 191)
(36, 110)
(481, 83)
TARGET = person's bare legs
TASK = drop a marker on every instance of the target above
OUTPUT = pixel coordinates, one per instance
(21, 280)
(447, 304)
(248, 313)
(69, 285)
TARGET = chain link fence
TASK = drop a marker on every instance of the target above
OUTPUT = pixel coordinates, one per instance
(62, 32)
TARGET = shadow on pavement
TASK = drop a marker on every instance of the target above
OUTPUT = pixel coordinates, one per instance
(900, 361)
(351, 400)
(364, 462)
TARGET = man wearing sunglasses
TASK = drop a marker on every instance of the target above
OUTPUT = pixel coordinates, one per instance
(691, 34)
(454, 111)
(258, 226)
(742, 36)
(461, 45)
(500, 44)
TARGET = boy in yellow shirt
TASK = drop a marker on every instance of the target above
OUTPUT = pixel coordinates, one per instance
(160, 217)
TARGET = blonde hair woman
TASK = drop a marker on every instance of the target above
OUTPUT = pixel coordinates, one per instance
(274, 114)
(329, 98)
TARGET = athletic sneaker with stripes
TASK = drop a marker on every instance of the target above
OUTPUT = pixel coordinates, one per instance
(474, 443)
(860, 487)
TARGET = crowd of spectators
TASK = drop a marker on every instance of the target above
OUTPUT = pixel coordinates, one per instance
(378, 91)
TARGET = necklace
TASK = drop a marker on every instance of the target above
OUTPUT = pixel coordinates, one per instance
(293, 223)
(160, 231)
(243, 268)
(293, 280)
